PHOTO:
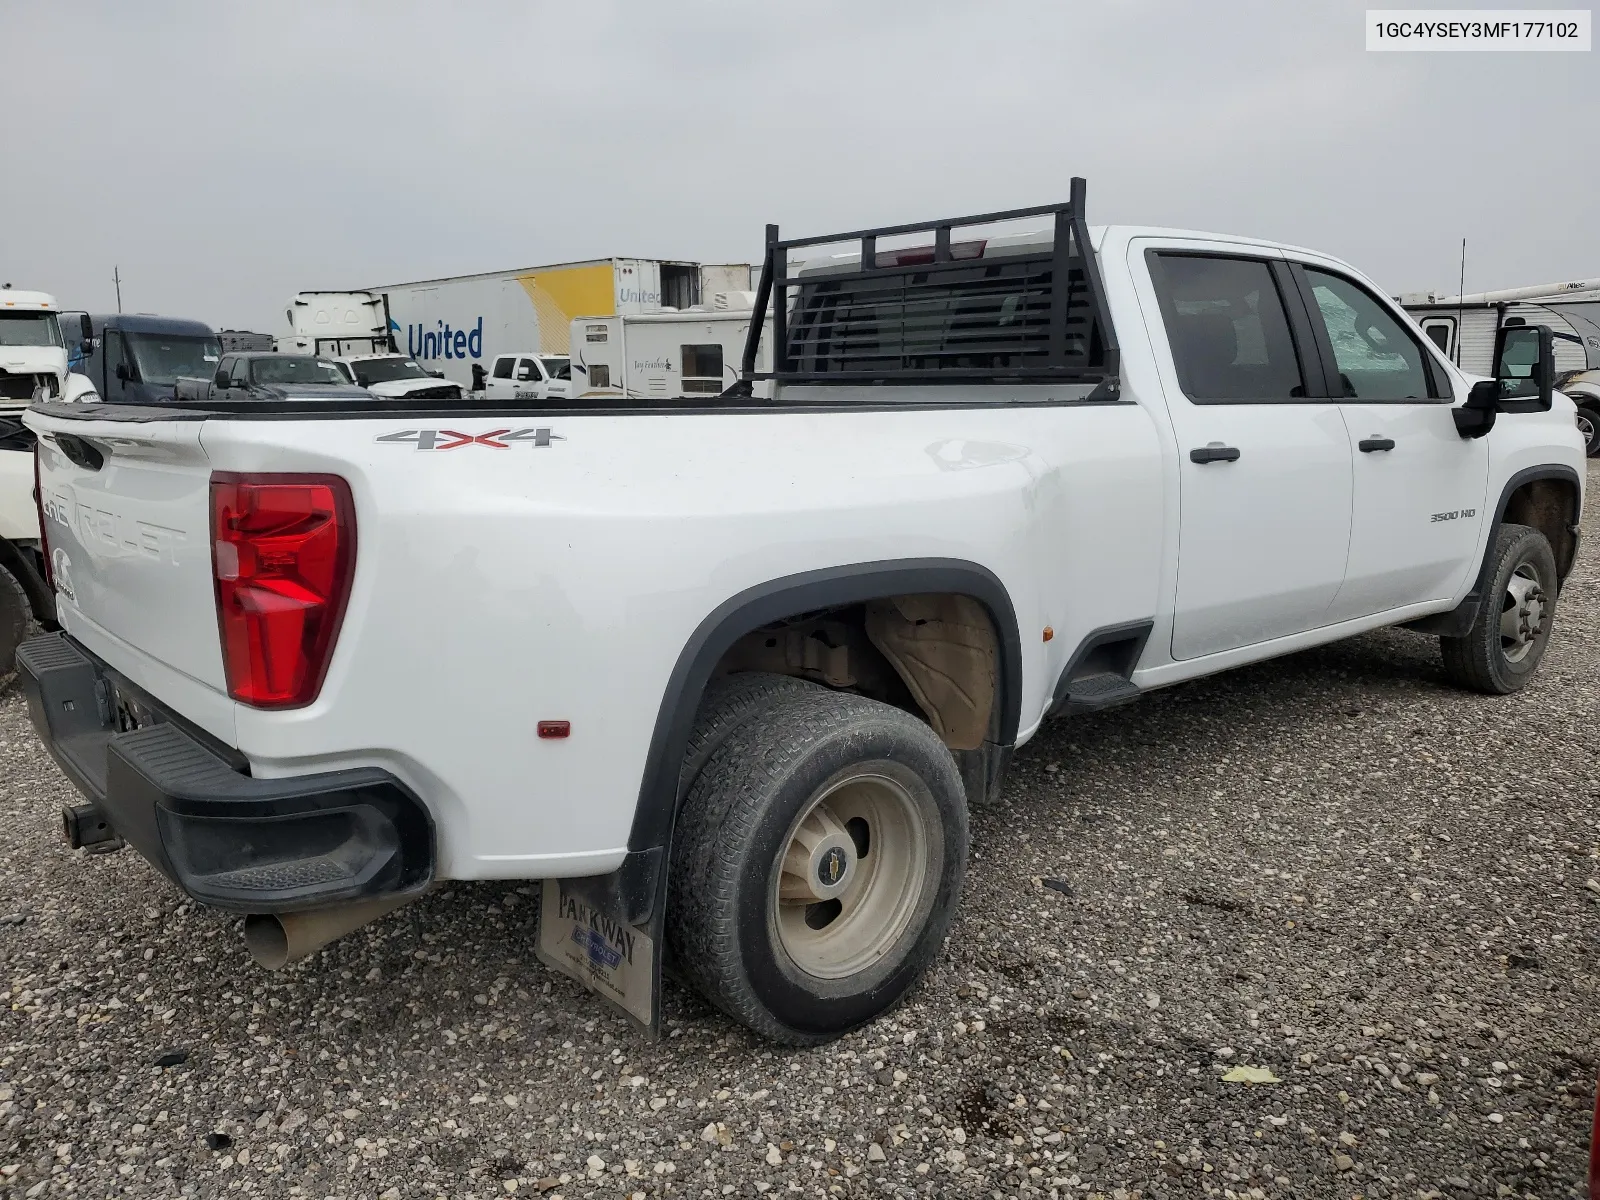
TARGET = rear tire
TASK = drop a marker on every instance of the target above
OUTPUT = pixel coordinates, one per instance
(16, 617)
(728, 702)
(1589, 426)
(1506, 643)
(816, 865)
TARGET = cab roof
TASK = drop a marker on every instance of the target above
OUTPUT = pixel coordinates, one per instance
(150, 323)
(30, 301)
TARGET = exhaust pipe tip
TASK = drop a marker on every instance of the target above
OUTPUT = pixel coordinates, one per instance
(267, 940)
(277, 939)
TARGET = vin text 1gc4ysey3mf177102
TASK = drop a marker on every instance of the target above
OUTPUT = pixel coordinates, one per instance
(725, 672)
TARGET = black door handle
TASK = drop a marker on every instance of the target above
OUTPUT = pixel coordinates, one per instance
(1205, 454)
(1368, 445)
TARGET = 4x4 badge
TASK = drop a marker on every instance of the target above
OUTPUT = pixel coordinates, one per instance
(451, 439)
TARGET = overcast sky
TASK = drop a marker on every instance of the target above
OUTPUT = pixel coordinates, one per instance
(228, 155)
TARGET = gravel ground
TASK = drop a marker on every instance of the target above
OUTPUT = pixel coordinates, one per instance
(1332, 867)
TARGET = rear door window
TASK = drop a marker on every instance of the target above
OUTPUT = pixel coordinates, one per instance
(1228, 328)
(502, 367)
(1376, 356)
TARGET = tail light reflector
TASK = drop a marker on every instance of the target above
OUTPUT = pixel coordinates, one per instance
(283, 551)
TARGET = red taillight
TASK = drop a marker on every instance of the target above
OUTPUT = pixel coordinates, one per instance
(44, 536)
(283, 550)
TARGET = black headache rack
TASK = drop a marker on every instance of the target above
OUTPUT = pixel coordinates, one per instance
(945, 313)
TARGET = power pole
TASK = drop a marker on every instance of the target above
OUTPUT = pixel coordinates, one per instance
(116, 278)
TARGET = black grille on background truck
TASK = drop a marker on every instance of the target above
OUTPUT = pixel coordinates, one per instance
(945, 313)
(22, 386)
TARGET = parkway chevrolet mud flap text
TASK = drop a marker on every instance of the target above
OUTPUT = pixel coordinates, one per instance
(582, 936)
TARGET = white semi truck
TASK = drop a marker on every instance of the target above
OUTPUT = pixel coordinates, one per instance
(336, 324)
(33, 366)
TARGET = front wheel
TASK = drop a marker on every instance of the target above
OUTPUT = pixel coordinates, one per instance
(1588, 418)
(1506, 643)
(816, 865)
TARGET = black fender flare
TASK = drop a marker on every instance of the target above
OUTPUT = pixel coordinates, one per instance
(1458, 620)
(772, 601)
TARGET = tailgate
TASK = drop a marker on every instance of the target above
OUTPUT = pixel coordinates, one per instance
(127, 523)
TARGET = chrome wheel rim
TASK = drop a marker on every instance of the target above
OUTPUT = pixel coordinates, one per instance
(1524, 610)
(851, 875)
(1586, 428)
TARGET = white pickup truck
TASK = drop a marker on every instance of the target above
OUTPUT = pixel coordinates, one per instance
(726, 671)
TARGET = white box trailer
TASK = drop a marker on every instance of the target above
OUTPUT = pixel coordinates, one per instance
(451, 325)
(694, 353)
(1464, 326)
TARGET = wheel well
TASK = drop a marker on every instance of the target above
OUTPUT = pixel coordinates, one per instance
(934, 654)
(824, 594)
(1550, 506)
(20, 560)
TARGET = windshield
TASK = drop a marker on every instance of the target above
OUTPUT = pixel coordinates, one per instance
(556, 368)
(162, 359)
(294, 368)
(29, 329)
(386, 370)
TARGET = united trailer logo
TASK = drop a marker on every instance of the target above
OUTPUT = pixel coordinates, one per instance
(453, 439)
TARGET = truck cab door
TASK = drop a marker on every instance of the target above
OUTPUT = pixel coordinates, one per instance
(1263, 459)
(115, 364)
(529, 379)
(1419, 486)
(498, 386)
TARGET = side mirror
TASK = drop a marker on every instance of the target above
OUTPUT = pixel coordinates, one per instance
(1476, 417)
(123, 373)
(437, 374)
(1525, 367)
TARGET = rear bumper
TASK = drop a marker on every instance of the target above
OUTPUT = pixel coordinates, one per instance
(224, 837)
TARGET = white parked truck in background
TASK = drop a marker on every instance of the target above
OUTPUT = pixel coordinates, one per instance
(397, 376)
(336, 325)
(1464, 327)
(525, 376)
(33, 366)
(725, 671)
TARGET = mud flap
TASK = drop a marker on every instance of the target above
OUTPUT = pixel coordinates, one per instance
(606, 932)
